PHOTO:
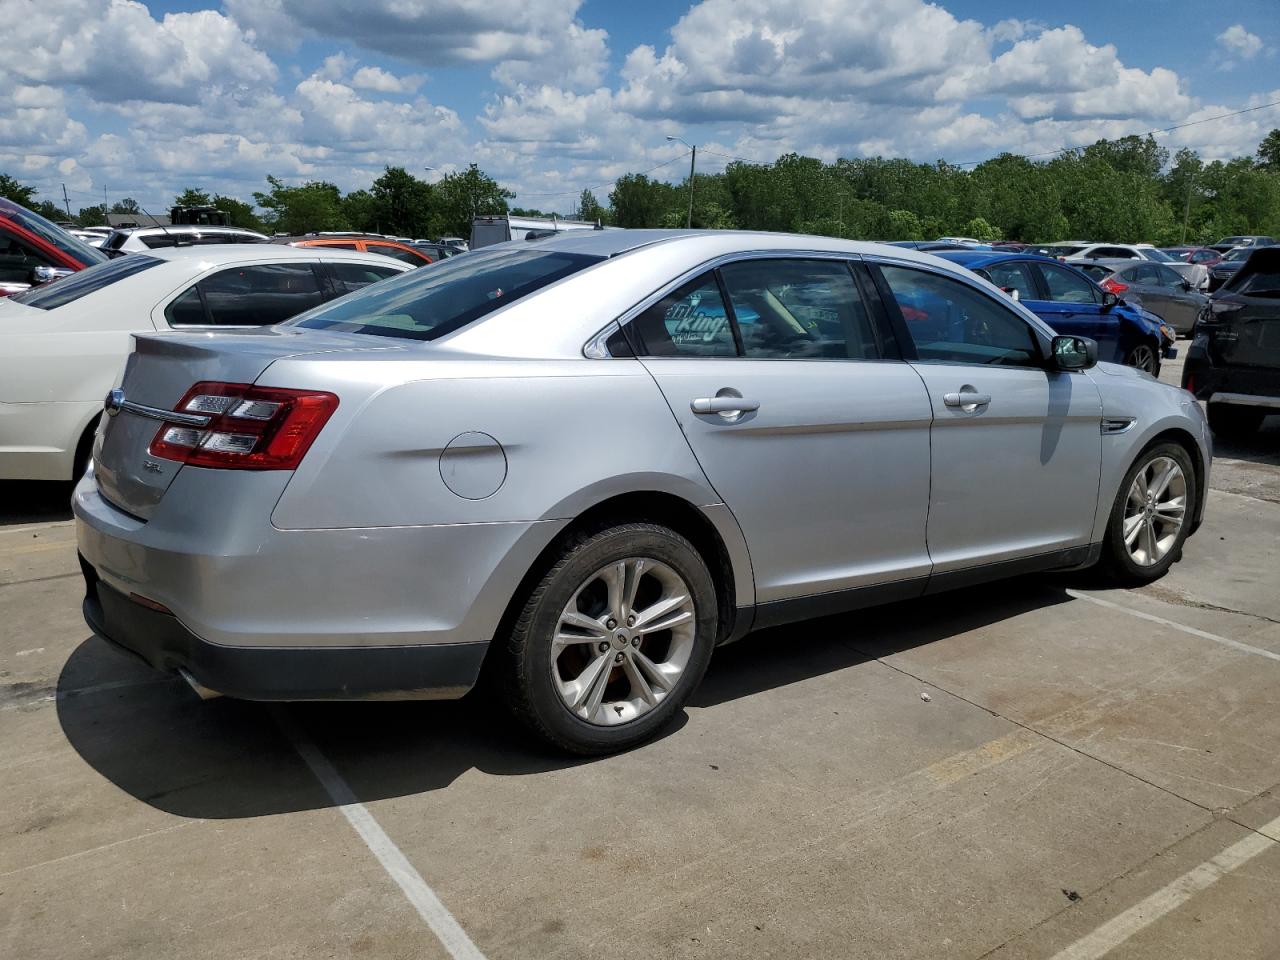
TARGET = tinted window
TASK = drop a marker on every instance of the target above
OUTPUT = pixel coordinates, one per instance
(187, 310)
(52, 234)
(350, 277)
(1143, 273)
(950, 322)
(688, 322)
(18, 259)
(1167, 277)
(405, 256)
(1264, 282)
(155, 241)
(1203, 256)
(426, 304)
(1157, 255)
(1067, 286)
(85, 282)
(1012, 276)
(1095, 271)
(799, 309)
(1116, 253)
(336, 246)
(257, 295)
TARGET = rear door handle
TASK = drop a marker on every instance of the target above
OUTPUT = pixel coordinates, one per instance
(723, 405)
(967, 399)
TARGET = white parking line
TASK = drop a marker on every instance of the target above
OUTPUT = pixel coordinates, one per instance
(1167, 899)
(1202, 634)
(429, 906)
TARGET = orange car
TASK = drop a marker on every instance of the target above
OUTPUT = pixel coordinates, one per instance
(360, 241)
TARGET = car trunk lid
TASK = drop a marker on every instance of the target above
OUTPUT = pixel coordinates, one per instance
(159, 372)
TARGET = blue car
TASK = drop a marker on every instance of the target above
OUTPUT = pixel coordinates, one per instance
(1071, 303)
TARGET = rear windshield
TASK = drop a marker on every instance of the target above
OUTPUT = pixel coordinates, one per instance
(1158, 255)
(84, 282)
(427, 304)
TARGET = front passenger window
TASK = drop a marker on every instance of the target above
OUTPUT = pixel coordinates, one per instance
(950, 322)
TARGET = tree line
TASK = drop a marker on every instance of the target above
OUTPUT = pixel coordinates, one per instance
(1126, 190)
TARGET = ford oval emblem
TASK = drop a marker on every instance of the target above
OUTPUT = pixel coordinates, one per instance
(114, 402)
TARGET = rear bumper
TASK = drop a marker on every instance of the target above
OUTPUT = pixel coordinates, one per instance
(1240, 385)
(436, 671)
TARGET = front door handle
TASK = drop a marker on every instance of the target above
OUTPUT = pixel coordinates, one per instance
(723, 405)
(967, 399)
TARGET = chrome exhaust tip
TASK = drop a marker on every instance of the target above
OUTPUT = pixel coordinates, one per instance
(203, 692)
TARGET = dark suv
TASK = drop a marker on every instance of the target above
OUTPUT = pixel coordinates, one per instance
(33, 250)
(1234, 358)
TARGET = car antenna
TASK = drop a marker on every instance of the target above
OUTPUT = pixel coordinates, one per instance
(157, 222)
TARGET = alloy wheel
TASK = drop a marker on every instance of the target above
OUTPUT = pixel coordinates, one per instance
(623, 641)
(1154, 511)
(1144, 358)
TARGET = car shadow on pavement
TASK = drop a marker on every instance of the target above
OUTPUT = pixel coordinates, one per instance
(154, 739)
(29, 501)
(1262, 448)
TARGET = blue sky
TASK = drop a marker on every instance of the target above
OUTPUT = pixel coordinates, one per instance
(551, 96)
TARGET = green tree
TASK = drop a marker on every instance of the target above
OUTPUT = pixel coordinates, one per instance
(401, 203)
(637, 201)
(461, 197)
(1269, 152)
(88, 216)
(979, 229)
(904, 225)
(589, 207)
(316, 205)
(240, 214)
(11, 189)
(127, 205)
(191, 197)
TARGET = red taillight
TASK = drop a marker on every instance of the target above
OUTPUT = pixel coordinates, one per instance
(250, 428)
(1112, 285)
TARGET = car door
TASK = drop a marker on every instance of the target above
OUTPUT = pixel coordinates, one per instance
(1016, 445)
(1074, 304)
(804, 419)
(1182, 302)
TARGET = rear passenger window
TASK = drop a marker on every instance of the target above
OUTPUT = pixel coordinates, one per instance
(688, 322)
(350, 277)
(258, 295)
(799, 309)
(1066, 286)
(950, 322)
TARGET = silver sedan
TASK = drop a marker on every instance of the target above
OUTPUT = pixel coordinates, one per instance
(584, 462)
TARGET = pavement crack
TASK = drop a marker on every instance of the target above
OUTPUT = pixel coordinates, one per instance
(54, 576)
(1166, 595)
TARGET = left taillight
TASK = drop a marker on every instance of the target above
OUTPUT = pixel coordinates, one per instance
(249, 428)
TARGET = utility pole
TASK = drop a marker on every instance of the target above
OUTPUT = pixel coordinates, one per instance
(106, 207)
(66, 201)
(693, 160)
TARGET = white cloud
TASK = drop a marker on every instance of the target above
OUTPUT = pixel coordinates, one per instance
(375, 78)
(1239, 42)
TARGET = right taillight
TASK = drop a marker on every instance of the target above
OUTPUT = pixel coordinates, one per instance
(249, 428)
(1112, 285)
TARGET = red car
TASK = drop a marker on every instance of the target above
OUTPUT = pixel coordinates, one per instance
(1205, 256)
(33, 250)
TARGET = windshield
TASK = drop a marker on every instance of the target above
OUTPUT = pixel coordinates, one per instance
(68, 289)
(427, 304)
(1151, 253)
(53, 235)
(1241, 254)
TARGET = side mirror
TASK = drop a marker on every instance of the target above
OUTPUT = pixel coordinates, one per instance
(44, 274)
(1074, 353)
(1109, 300)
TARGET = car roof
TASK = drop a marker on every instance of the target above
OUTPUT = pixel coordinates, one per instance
(187, 228)
(215, 253)
(975, 259)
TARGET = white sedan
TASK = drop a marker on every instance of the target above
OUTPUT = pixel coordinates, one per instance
(63, 345)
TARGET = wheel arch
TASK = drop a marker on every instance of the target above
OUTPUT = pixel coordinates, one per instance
(718, 541)
(84, 447)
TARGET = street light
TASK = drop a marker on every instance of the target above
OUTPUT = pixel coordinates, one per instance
(693, 158)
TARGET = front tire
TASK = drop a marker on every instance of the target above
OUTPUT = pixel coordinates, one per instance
(612, 640)
(1151, 516)
(1234, 423)
(1145, 357)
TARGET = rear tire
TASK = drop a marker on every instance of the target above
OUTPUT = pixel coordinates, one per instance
(591, 665)
(1234, 423)
(1151, 517)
